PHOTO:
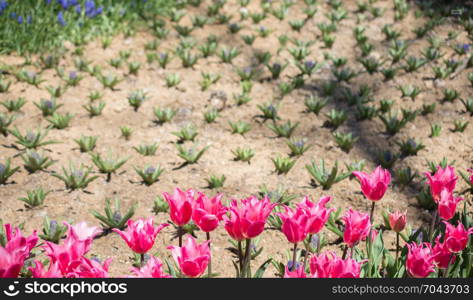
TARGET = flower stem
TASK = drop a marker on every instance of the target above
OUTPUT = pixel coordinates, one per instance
(209, 267)
(294, 255)
(240, 259)
(345, 252)
(307, 246)
(246, 265)
(179, 232)
(432, 225)
(397, 246)
(372, 212)
(142, 259)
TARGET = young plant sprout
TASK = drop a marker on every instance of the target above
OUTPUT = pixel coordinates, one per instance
(6, 171)
(60, 121)
(283, 130)
(208, 79)
(75, 177)
(188, 133)
(136, 99)
(113, 217)
(172, 80)
(35, 197)
(86, 143)
(283, 164)
(315, 104)
(190, 155)
(35, 161)
(324, 177)
(215, 182)
(126, 132)
(52, 231)
(239, 127)
(345, 141)
(14, 105)
(160, 205)
(164, 115)
(32, 140)
(5, 122)
(94, 110)
(149, 174)
(147, 150)
(243, 154)
(107, 165)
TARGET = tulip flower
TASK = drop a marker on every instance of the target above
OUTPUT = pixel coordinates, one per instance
(329, 265)
(38, 271)
(294, 224)
(152, 269)
(192, 258)
(374, 185)
(140, 234)
(208, 212)
(456, 238)
(397, 222)
(318, 213)
(442, 255)
(90, 268)
(357, 227)
(15, 241)
(471, 176)
(442, 179)
(297, 273)
(84, 231)
(246, 222)
(447, 204)
(180, 208)
(420, 260)
(11, 262)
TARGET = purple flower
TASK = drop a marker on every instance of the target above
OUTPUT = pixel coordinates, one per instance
(466, 47)
(29, 19)
(20, 19)
(60, 19)
(310, 64)
(78, 9)
(72, 75)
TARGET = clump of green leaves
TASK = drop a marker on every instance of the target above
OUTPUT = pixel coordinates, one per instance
(113, 217)
(345, 141)
(164, 115)
(190, 155)
(107, 165)
(14, 105)
(137, 98)
(215, 181)
(188, 133)
(243, 154)
(298, 146)
(53, 231)
(35, 197)
(323, 176)
(32, 140)
(283, 130)
(6, 171)
(60, 121)
(75, 178)
(283, 164)
(150, 174)
(35, 161)
(240, 127)
(5, 122)
(48, 107)
(147, 150)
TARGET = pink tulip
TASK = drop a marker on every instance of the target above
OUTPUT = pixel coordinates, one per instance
(471, 175)
(442, 179)
(420, 260)
(11, 263)
(329, 265)
(38, 271)
(180, 206)
(83, 231)
(90, 268)
(15, 241)
(192, 258)
(297, 273)
(374, 185)
(456, 238)
(442, 256)
(397, 221)
(447, 204)
(294, 224)
(247, 221)
(207, 213)
(318, 213)
(68, 253)
(357, 227)
(140, 234)
(152, 269)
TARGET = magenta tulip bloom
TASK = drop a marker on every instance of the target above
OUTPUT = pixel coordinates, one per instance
(15, 241)
(140, 234)
(420, 260)
(442, 256)
(294, 224)
(152, 269)
(357, 227)
(447, 204)
(247, 221)
(471, 175)
(374, 185)
(456, 238)
(180, 206)
(38, 271)
(84, 231)
(11, 263)
(397, 221)
(442, 179)
(207, 213)
(192, 258)
(329, 265)
(318, 213)
(297, 273)
(90, 268)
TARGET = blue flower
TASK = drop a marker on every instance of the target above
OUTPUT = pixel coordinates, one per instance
(13, 15)
(3, 6)
(20, 19)
(29, 19)
(78, 9)
(60, 19)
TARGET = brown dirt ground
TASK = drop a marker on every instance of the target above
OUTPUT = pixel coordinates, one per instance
(242, 179)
